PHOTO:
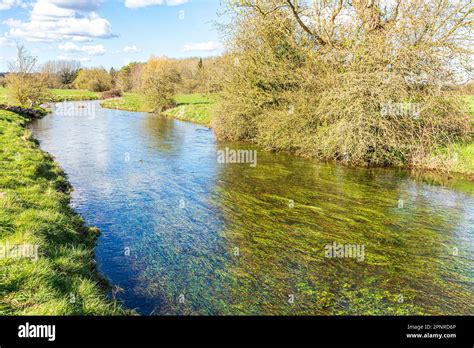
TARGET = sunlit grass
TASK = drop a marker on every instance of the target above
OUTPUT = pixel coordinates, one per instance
(34, 210)
(56, 95)
(129, 102)
(194, 107)
(73, 94)
(465, 152)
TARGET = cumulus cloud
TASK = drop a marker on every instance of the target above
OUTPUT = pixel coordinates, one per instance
(202, 46)
(146, 3)
(78, 5)
(8, 4)
(131, 49)
(53, 20)
(94, 50)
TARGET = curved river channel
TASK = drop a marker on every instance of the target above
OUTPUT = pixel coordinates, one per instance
(184, 233)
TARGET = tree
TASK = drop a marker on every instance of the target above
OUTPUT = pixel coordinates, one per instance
(95, 79)
(159, 80)
(129, 77)
(62, 72)
(357, 81)
(114, 75)
(26, 86)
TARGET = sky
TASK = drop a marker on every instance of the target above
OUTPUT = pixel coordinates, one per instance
(109, 33)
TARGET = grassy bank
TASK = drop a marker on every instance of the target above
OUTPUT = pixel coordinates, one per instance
(458, 158)
(195, 108)
(46, 252)
(56, 95)
(129, 102)
(189, 107)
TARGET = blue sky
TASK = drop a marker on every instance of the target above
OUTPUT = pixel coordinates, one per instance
(109, 33)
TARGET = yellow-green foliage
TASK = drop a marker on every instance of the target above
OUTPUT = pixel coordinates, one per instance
(27, 90)
(34, 210)
(357, 91)
(158, 83)
(27, 87)
(96, 80)
(129, 77)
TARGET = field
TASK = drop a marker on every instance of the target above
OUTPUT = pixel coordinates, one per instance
(189, 107)
(129, 102)
(56, 95)
(192, 107)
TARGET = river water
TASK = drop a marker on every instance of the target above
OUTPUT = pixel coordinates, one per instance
(183, 233)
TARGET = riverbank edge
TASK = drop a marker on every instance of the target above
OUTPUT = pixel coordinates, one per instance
(194, 108)
(81, 289)
(184, 112)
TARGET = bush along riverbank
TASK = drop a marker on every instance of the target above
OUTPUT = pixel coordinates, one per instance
(198, 108)
(47, 262)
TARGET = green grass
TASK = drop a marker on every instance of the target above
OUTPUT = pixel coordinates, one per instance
(189, 107)
(129, 102)
(457, 158)
(465, 152)
(195, 98)
(56, 95)
(35, 212)
(192, 107)
(73, 94)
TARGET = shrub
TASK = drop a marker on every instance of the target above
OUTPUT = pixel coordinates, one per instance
(159, 80)
(358, 91)
(26, 86)
(113, 93)
(95, 80)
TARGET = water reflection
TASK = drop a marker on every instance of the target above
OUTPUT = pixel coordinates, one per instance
(183, 234)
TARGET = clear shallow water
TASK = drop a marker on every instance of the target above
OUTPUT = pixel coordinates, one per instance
(183, 234)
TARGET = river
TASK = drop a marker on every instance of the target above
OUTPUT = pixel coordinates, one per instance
(183, 233)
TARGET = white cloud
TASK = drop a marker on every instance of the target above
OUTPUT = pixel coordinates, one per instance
(95, 50)
(53, 20)
(45, 10)
(8, 4)
(78, 5)
(131, 49)
(146, 3)
(202, 46)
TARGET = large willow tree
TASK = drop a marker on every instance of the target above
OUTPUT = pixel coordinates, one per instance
(360, 81)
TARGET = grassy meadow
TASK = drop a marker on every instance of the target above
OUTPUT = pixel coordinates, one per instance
(194, 107)
(56, 95)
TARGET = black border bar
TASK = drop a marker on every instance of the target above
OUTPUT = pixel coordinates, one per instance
(196, 330)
